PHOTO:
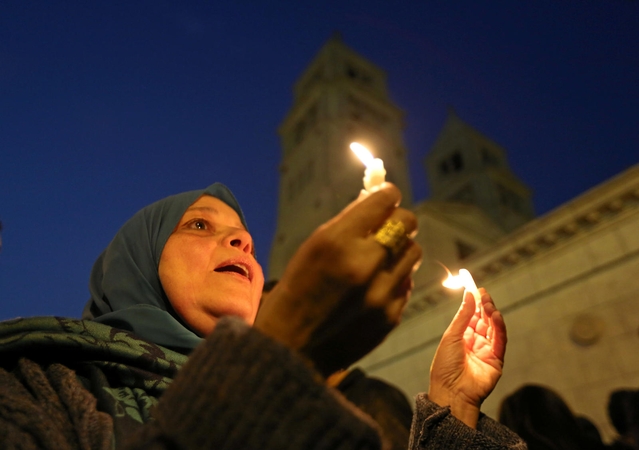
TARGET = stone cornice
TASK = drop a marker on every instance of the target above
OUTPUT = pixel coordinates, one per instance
(590, 211)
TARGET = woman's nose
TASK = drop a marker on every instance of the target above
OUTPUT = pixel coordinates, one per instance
(239, 239)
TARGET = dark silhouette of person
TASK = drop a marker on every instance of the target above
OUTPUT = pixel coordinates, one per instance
(543, 419)
(385, 403)
(623, 411)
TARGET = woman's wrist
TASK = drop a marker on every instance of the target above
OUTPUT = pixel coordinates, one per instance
(461, 408)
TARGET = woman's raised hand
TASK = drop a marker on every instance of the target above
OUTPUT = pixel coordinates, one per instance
(342, 291)
(469, 360)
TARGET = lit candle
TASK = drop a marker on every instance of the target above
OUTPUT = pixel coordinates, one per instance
(465, 280)
(375, 174)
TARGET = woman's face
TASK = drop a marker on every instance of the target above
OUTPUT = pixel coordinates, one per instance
(207, 267)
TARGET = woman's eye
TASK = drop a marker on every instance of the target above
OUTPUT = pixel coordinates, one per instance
(198, 225)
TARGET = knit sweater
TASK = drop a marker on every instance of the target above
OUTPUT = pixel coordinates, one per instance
(239, 389)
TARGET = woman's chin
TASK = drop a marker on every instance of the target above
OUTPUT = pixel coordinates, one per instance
(206, 326)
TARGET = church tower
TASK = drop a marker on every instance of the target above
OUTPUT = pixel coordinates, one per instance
(465, 166)
(340, 98)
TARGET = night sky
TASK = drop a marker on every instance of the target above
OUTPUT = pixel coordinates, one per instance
(106, 107)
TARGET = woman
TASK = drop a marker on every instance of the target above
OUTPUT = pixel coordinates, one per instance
(180, 278)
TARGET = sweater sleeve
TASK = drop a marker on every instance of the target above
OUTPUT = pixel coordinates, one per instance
(240, 389)
(434, 427)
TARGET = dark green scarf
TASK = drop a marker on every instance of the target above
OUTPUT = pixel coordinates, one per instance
(125, 374)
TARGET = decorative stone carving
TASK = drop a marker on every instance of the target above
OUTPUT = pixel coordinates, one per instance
(513, 258)
(549, 239)
(593, 217)
(532, 248)
(586, 329)
(570, 228)
(616, 205)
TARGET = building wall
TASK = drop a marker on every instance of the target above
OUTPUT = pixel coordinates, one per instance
(568, 285)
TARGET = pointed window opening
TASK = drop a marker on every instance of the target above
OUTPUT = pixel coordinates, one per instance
(358, 75)
(464, 250)
(509, 199)
(454, 163)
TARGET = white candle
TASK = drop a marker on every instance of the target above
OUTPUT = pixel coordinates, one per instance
(375, 174)
(465, 280)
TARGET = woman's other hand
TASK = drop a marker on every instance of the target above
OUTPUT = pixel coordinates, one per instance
(469, 360)
(342, 291)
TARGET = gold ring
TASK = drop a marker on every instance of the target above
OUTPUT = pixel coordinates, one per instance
(392, 235)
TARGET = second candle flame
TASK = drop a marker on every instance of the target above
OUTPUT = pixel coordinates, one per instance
(463, 280)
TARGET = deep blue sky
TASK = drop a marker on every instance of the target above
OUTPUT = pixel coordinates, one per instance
(108, 106)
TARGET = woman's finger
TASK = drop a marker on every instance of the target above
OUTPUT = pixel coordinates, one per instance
(496, 331)
(390, 282)
(499, 339)
(474, 320)
(395, 307)
(461, 320)
(498, 335)
(363, 216)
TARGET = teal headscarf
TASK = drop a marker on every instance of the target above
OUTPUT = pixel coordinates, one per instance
(125, 287)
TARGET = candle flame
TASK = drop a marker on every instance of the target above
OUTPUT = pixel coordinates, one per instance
(362, 153)
(463, 280)
(456, 281)
(453, 281)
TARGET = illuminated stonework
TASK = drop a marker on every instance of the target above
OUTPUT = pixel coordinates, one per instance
(576, 219)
